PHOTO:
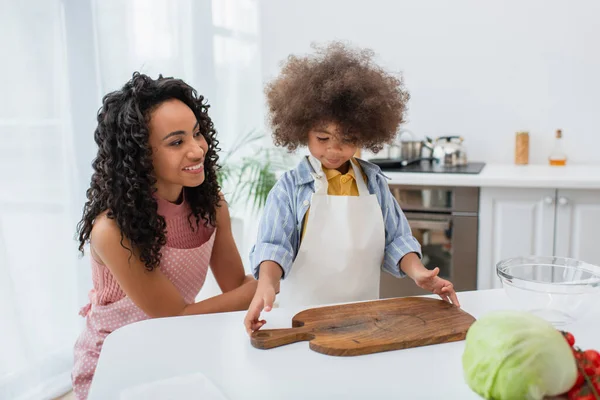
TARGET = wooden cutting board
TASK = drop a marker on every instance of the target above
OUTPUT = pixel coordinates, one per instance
(371, 327)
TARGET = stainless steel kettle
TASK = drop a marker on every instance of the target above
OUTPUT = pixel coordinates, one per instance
(447, 150)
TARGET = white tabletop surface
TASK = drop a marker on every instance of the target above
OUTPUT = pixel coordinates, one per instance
(217, 347)
(509, 175)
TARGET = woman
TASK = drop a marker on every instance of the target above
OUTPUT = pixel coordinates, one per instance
(155, 218)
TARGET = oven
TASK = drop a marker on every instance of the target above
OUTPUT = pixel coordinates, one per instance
(445, 221)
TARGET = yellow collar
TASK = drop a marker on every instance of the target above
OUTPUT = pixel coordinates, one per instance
(332, 173)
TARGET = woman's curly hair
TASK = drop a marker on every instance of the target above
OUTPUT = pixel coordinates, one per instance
(337, 84)
(123, 180)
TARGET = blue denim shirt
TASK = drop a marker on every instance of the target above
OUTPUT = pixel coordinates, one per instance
(281, 223)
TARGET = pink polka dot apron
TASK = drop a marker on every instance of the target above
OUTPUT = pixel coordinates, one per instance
(185, 268)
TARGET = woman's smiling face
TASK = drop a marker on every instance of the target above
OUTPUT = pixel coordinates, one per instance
(178, 148)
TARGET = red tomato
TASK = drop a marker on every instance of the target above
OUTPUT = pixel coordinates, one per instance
(570, 338)
(582, 393)
(579, 381)
(589, 368)
(593, 356)
(596, 383)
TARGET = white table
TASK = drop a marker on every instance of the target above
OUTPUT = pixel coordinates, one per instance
(217, 346)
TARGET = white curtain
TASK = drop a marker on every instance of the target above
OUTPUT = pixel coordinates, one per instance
(37, 254)
(58, 58)
(213, 45)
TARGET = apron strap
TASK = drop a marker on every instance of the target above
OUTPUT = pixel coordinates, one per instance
(317, 173)
(360, 181)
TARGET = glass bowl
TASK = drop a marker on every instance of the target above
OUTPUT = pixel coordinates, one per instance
(560, 290)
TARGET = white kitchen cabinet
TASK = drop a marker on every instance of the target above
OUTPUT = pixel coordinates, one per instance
(578, 224)
(521, 222)
(512, 223)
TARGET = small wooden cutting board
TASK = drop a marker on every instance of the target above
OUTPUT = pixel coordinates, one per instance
(371, 327)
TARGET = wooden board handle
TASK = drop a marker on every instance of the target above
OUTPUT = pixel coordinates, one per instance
(269, 338)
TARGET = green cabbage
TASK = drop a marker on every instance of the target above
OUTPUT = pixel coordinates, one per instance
(516, 355)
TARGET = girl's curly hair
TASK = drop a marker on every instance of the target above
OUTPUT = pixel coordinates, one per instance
(123, 179)
(337, 84)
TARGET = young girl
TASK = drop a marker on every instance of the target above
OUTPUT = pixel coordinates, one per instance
(154, 218)
(331, 224)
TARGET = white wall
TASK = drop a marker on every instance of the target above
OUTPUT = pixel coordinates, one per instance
(480, 69)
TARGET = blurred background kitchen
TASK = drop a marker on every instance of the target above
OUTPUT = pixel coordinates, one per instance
(482, 71)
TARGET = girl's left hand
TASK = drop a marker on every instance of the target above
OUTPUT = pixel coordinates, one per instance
(430, 281)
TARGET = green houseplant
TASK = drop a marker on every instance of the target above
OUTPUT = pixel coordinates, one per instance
(249, 171)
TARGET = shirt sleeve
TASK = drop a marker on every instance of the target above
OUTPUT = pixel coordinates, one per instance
(276, 231)
(399, 240)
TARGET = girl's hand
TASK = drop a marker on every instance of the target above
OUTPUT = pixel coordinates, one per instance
(263, 301)
(430, 281)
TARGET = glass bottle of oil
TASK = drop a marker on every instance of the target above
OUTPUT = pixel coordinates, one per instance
(558, 157)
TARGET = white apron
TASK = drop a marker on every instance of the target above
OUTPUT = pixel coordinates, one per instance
(340, 257)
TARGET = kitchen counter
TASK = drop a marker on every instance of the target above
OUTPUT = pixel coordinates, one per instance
(217, 347)
(509, 175)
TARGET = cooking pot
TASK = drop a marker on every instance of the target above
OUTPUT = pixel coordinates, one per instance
(447, 150)
(406, 149)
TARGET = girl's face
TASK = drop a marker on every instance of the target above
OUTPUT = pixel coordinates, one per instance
(324, 143)
(178, 148)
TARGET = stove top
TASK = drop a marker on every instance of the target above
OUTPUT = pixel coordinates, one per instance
(393, 165)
